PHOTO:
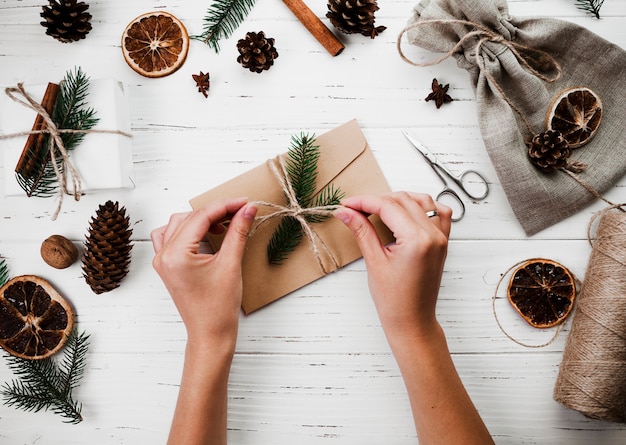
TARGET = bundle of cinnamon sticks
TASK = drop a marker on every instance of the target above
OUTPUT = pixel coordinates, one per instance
(34, 147)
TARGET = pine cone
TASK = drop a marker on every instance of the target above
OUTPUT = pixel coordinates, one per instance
(354, 16)
(66, 20)
(256, 52)
(549, 151)
(107, 248)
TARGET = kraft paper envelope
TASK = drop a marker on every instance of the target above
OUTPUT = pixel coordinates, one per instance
(346, 161)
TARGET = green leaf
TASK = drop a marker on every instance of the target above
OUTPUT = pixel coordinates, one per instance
(301, 166)
(222, 19)
(591, 6)
(47, 384)
(4, 272)
(284, 240)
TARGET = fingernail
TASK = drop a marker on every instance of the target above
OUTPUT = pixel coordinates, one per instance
(344, 217)
(250, 212)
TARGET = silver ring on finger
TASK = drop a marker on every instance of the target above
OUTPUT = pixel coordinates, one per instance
(432, 213)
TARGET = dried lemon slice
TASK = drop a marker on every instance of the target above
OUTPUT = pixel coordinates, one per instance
(155, 44)
(35, 320)
(576, 113)
(543, 292)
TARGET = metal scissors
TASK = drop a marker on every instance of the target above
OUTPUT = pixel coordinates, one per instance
(462, 181)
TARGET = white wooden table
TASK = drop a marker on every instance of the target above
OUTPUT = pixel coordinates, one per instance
(313, 367)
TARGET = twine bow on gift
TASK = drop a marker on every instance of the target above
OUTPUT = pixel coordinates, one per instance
(55, 144)
(295, 210)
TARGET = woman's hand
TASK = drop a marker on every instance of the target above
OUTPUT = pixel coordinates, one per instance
(404, 277)
(207, 291)
(206, 288)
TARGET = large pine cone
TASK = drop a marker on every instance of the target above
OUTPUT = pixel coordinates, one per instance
(256, 52)
(549, 151)
(354, 16)
(107, 248)
(66, 20)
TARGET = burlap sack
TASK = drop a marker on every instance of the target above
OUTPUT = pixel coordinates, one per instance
(503, 81)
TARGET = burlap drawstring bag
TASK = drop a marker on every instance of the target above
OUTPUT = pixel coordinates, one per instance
(517, 68)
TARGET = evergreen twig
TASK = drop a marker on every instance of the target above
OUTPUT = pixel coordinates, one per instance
(47, 384)
(4, 272)
(222, 19)
(301, 167)
(591, 6)
(70, 112)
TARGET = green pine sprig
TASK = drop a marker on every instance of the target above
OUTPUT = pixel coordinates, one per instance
(591, 6)
(70, 112)
(49, 383)
(301, 165)
(222, 19)
(4, 272)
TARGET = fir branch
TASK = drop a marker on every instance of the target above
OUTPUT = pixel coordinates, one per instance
(70, 112)
(285, 239)
(591, 6)
(4, 272)
(222, 19)
(46, 384)
(301, 168)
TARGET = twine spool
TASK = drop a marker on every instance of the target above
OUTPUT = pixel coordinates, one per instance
(592, 375)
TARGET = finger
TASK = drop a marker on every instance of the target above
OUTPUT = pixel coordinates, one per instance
(444, 217)
(364, 233)
(197, 224)
(157, 238)
(234, 242)
(388, 206)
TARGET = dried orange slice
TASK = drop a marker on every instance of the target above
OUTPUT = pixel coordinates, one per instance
(543, 292)
(34, 319)
(576, 113)
(155, 44)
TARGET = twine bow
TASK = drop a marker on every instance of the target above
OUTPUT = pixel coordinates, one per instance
(295, 210)
(485, 35)
(55, 144)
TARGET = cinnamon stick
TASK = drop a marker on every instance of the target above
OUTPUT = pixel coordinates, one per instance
(315, 26)
(35, 142)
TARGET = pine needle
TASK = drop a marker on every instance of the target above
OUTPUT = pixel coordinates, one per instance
(591, 6)
(222, 19)
(47, 384)
(4, 272)
(70, 112)
(301, 167)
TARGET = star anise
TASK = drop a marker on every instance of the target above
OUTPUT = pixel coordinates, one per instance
(439, 94)
(202, 82)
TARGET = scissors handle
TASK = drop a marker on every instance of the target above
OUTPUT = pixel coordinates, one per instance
(471, 176)
(459, 211)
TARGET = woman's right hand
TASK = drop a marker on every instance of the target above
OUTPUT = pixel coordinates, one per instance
(404, 277)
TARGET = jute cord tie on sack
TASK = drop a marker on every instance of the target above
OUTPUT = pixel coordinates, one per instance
(55, 144)
(485, 35)
(294, 210)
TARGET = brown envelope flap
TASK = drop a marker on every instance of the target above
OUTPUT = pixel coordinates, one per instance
(338, 148)
(347, 162)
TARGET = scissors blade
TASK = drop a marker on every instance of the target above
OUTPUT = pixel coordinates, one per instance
(431, 158)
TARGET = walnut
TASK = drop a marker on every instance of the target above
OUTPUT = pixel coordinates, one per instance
(58, 252)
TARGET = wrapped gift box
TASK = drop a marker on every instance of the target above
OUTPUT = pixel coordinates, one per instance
(103, 160)
(346, 161)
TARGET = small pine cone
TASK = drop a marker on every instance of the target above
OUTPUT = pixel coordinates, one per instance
(354, 16)
(66, 20)
(256, 52)
(549, 151)
(106, 255)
